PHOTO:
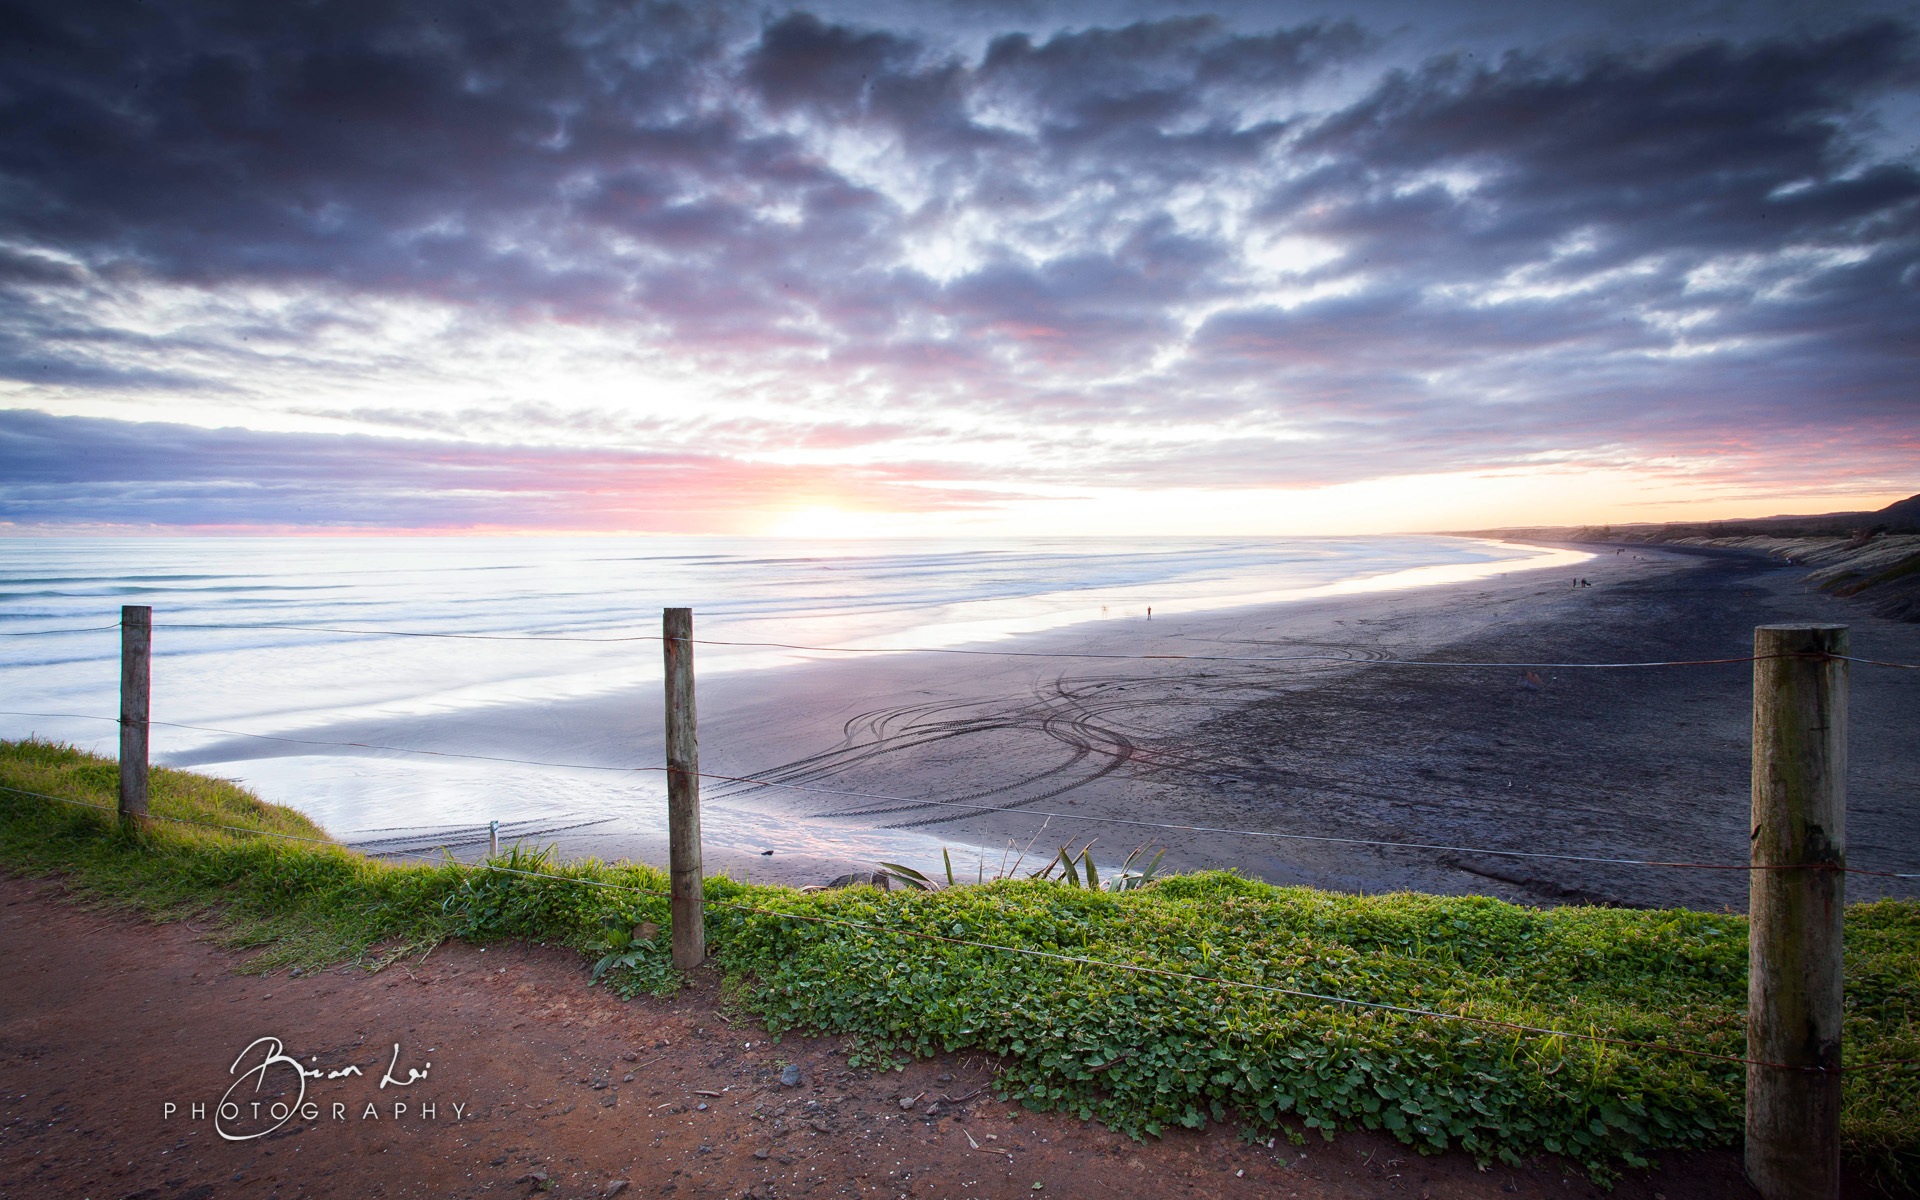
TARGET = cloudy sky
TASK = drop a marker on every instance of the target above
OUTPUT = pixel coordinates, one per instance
(994, 267)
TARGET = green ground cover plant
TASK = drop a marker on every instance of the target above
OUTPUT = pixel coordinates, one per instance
(1140, 1050)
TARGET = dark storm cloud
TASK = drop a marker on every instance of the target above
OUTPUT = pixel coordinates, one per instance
(489, 151)
(1631, 205)
(1144, 80)
(482, 152)
(1620, 249)
(1690, 152)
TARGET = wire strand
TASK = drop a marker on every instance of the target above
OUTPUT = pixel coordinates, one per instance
(409, 633)
(51, 632)
(1224, 658)
(499, 758)
(1602, 860)
(60, 799)
(1877, 662)
(60, 716)
(1307, 837)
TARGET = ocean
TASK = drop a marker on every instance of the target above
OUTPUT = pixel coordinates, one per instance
(270, 651)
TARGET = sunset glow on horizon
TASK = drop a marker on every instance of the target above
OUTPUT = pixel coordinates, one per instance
(1097, 268)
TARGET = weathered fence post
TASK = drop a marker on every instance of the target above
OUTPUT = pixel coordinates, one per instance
(1797, 899)
(683, 793)
(136, 684)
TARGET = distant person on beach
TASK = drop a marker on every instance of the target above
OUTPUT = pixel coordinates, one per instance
(1149, 612)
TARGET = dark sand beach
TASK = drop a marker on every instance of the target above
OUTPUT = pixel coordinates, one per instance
(1649, 763)
(977, 752)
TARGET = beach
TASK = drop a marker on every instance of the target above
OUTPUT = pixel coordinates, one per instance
(1176, 737)
(1646, 763)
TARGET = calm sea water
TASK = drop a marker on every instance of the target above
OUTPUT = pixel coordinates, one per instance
(224, 660)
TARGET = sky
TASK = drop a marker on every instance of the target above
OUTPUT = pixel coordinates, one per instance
(943, 269)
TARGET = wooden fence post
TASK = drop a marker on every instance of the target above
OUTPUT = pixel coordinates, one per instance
(683, 793)
(136, 685)
(1796, 905)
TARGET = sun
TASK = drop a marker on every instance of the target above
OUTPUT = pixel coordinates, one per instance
(822, 521)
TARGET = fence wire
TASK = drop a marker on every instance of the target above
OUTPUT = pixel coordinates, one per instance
(960, 650)
(748, 780)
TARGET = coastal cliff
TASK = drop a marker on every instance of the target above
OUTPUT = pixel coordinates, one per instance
(1873, 557)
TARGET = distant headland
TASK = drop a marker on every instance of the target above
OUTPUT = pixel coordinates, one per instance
(1872, 556)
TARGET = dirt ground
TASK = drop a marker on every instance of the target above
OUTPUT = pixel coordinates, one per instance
(538, 1084)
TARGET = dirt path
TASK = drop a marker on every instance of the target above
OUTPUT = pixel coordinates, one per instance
(540, 1085)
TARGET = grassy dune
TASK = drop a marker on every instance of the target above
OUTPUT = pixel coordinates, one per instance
(1138, 1050)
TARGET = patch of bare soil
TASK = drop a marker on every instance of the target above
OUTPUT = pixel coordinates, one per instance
(525, 1081)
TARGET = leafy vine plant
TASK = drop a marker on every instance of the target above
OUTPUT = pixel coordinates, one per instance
(1077, 869)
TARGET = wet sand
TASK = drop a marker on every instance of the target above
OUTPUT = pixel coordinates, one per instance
(1647, 763)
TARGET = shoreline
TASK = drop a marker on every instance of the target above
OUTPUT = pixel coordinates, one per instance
(1648, 763)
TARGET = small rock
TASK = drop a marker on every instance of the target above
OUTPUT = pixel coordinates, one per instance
(615, 1187)
(943, 1079)
(790, 1076)
(599, 1084)
(760, 1154)
(499, 1162)
(766, 854)
(295, 973)
(645, 931)
(701, 1107)
(629, 1056)
(627, 1078)
(906, 1104)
